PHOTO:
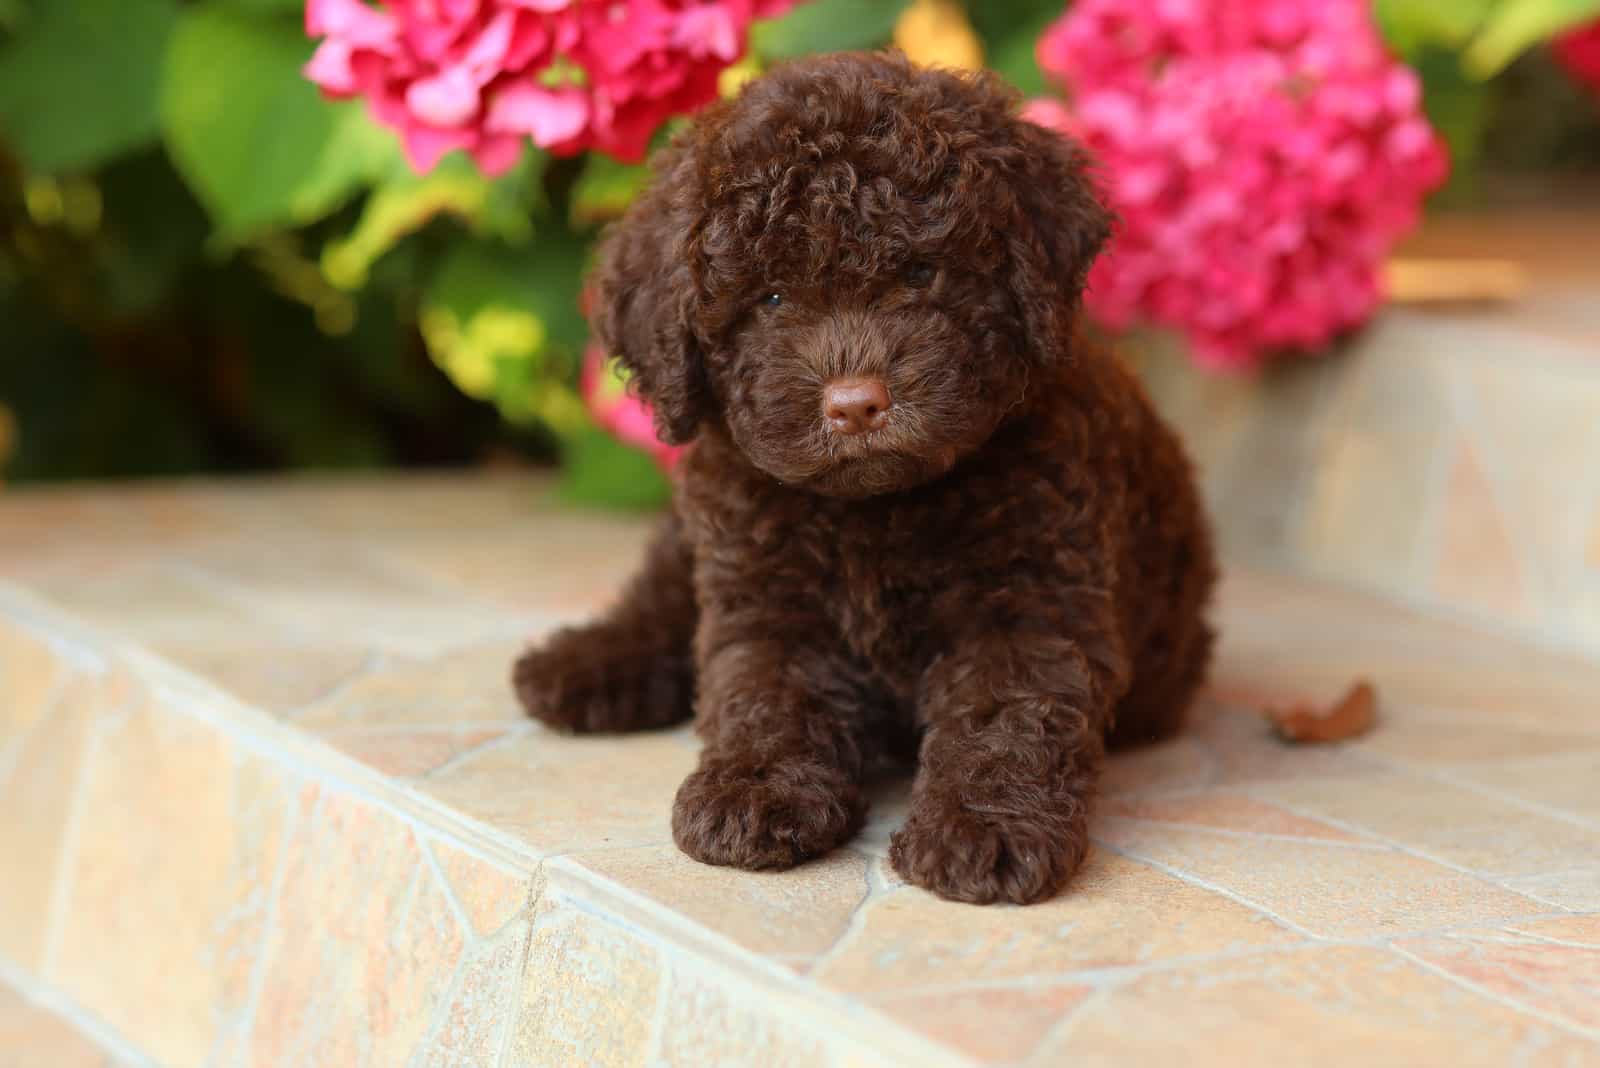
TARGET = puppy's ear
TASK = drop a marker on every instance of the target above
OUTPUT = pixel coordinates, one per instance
(645, 293)
(1061, 226)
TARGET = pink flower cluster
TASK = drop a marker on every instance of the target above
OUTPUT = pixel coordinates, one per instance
(1262, 155)
(1579, 51)
(620, 412)
(482, 75)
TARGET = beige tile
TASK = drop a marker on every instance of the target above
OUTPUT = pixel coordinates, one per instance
(993, 1024)
(60, 529)
(559, 793)
(1591, 554)
(1332, 1007)
(1538, 434)
(1573, 930)
(336, 589)
(392, 505)
(1459, 826)
(1557, 980)
(1258, 483)
(357, 965)
(1219, 810)
(35, 1037)
(409, 753)
(712, 1023)
(793, 913)
(1179, 764)
(1244, 748)
(491, 895)
(36, 805)
(30, 671)
(1568, 782)
(1367, 497)
(1289, 637)
(177, 843)
(1116, 912)
(1327, 889)
(155, 601)
(562, 563)
(1576, 887)
(270, 672)
(1477, 565)
(1433, 738)
(470, 684)
(589, 996)
(483, 1002)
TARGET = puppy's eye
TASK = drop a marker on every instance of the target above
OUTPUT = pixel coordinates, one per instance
(920, 274)
(772, 300)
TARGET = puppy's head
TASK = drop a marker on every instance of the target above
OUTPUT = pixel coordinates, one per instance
(854, 266)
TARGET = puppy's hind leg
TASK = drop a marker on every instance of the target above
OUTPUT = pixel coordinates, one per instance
(633, 669)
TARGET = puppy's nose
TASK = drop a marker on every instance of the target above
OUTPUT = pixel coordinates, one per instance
(855, 405)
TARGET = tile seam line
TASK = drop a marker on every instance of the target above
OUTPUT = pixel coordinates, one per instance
(1495, 998)
(1194, 880)
(1116, 975)
(296, 749)
(308, 758)
(822, 1006)
(1395, 845)
(105, 1037)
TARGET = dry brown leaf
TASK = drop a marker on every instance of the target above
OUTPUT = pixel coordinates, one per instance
(1351, 717)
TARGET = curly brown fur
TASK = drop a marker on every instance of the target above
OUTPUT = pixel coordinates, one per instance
(1011, 565)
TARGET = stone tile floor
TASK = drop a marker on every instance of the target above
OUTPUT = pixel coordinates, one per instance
(271, 802)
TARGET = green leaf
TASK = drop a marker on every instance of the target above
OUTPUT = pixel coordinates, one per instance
(1517, 25)
(598, 470)
(827, 26)
(269, 7)
(1011, 46)
(405, 202)
(504, 324)
(253, 138)
(1411, 25)
(1458, 107)
(11, 13)
(79, 84)
(605, 189)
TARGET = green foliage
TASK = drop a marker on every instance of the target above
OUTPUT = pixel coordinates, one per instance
(1487, 34)
(80, 85)
(605, 189)
(1516, 25)
(1456, 47)
(404, 201)
(596, 468)
(503, 322)
(1010, 33)
(254, 139)
(827, 26)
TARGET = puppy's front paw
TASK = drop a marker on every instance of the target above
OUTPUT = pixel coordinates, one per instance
(774, 816)
(981, 858)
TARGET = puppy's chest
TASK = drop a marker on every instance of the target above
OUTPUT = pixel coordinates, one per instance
(880, 577)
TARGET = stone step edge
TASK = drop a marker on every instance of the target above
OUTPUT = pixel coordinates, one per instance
(868, 1034)
(93, 1030)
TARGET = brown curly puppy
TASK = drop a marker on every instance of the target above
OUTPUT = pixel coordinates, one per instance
(921, 509)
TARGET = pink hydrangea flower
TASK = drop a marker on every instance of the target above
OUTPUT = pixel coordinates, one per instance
(483, 75)
(619, 411)
(1263, 156)
(1579, 51)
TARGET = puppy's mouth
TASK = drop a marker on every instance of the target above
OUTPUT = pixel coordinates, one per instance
(871, 464)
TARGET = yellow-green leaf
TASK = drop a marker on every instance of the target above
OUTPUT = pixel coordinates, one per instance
(1516, 25)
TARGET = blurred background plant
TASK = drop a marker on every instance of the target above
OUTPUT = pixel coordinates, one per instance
(207, 265)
